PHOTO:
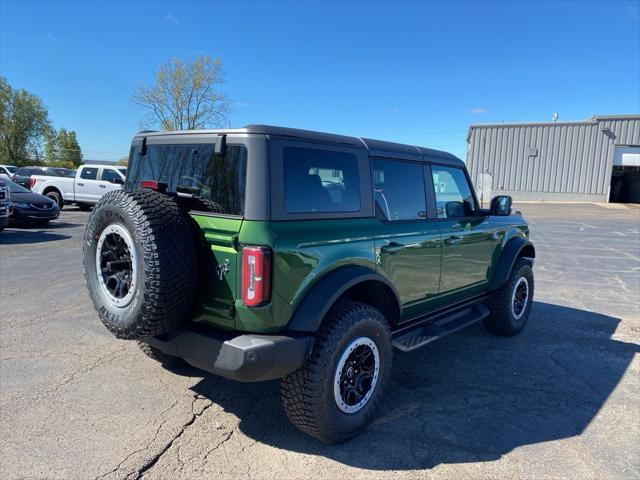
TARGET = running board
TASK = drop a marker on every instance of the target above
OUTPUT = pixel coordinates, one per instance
(412, 338)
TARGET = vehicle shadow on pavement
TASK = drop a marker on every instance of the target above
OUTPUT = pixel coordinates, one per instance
(20, 236)
(470, 397)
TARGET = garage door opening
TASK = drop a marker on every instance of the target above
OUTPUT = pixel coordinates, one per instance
(625, 176)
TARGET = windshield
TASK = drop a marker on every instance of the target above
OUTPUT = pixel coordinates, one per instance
(15, 188)
(195, 170)
(11, 168)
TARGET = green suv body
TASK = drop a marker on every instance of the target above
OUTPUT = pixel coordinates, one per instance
(269, 252)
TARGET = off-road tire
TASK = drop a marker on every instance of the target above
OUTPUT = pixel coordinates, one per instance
(161, 357)
(166, 263)
(56, 197)
(501, 320)
(308, 393)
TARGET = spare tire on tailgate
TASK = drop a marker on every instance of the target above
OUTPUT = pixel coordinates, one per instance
(140, 263)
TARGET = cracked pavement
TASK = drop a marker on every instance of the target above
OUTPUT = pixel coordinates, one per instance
(561, 400)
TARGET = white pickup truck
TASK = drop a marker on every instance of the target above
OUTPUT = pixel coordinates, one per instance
(85, 189)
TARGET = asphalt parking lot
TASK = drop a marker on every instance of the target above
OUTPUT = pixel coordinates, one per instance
(561, 400)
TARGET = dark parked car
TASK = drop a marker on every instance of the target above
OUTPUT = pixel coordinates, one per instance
(29, 207)
(5, 205)
(23, 175)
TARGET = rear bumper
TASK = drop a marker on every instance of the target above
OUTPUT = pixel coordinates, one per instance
(245, 357)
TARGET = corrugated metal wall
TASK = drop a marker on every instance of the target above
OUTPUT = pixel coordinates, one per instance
(550, 161)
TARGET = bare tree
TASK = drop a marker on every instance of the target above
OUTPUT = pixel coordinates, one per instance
(186, 95)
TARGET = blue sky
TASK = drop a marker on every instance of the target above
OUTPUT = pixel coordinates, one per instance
(417, 72)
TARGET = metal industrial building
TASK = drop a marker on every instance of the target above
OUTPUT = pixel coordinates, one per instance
(594, 160)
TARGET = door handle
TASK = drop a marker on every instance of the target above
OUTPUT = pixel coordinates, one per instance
(453, 240)
(80, 184)
(102, 186)
(392, 247)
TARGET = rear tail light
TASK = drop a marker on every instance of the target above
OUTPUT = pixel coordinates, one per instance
(32, 182)
(256, 276)
(154, 185)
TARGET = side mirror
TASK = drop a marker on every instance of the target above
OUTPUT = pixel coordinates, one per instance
(501, 205)
(117, 181)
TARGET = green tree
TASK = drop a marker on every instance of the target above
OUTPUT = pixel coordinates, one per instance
(24, 121)
(62, 147)
(124, 161)
(185, 96)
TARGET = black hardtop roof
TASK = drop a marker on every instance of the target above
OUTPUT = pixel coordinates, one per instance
(378, 148)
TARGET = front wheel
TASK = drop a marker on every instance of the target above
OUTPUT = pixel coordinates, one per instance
(510, 305)
(336, 392)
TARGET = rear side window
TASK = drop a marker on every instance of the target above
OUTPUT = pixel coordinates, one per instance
(195, 170)
(89, 173)
(398, 190)
(109, 175)
(23, 172)
(320, 181)
(453, 193)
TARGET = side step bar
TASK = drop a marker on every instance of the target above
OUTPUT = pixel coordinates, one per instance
(413, 337)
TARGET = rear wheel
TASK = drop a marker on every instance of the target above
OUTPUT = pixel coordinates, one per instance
(56, 197)
(510, 305)
(336, 392)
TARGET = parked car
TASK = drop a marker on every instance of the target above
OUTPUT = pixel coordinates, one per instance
(85, 188)
(316, 255)
(23, 175)
(29, 207)
(7, 171)
(5, 205)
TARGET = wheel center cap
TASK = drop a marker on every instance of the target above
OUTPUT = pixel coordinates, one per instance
(350, 372)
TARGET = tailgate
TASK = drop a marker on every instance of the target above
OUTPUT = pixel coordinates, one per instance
(219, 275)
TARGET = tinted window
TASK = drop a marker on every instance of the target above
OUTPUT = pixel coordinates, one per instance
(53, 172)
(320, 181)
(38, 171)
(11, 169)
(109, 175)
(89, 173)
(24, 172)
(195, 170)
(123, 171)
(398, 190)
(453, 193)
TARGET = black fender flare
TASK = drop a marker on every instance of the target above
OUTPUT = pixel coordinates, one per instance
(309, 314)
(515, 248)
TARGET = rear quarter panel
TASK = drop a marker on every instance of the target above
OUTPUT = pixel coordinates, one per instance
(303, 252)
(62, 184)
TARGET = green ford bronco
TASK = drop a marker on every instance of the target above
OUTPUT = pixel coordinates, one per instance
(266, 252)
